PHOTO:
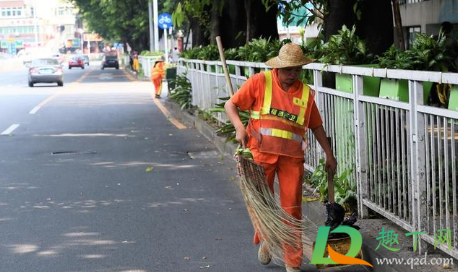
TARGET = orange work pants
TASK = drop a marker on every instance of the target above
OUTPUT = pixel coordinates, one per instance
(157, 81)
(290, 172)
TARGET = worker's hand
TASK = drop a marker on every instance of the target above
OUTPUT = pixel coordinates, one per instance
(331, 165)
(241, 136)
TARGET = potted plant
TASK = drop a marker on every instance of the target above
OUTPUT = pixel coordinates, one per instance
(210, 52)
(259, 50)
(345, 48)
(427, 53)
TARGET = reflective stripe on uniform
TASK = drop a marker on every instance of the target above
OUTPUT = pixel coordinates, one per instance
(254, 115)
(279, 133)
(304, 101)
(265, 109)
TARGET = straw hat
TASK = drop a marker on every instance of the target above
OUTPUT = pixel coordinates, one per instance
(290, 55)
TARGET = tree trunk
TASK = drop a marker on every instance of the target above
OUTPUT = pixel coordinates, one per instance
(248, 4)
(376, 25)
(398, 25)
(340, 13)
(215, 19)
(198, 36)
(234, 26)
(263, 24)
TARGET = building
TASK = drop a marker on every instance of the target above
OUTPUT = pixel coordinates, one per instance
(38, 23)
(426, 16)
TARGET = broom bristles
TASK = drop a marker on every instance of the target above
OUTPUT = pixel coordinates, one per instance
(277, 229)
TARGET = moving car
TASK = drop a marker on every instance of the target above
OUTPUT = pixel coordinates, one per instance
(45, 70)
(85, 59)
(76, 61)
(110, 61)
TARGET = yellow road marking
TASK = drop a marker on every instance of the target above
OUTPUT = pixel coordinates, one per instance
(166, 113)
(129, 76)
(172, 120)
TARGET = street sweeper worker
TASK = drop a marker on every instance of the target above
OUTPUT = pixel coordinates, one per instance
(157, 73)
(281, 110)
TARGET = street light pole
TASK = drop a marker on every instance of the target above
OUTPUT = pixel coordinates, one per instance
(35, 21)
(150, 16)
(156, 33)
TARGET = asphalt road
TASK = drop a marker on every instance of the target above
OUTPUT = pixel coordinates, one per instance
(94, 177)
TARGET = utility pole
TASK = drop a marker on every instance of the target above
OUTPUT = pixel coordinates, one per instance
(156, 32)
(35, 21)
(150, 16)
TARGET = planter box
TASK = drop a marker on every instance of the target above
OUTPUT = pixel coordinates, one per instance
(371, 85)
(453, 100)
(231, 69)
(214, 69)
(398, 89)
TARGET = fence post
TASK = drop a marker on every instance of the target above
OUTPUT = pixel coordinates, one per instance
(317, 83)
(418, 161)
(361, 145)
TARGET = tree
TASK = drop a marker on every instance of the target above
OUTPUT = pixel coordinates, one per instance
(373, 19)
(125, 21)
(236, 21)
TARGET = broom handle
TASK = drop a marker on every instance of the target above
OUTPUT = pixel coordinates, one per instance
(330, 181)
(223, 60)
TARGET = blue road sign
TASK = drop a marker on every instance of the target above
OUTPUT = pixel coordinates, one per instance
(165, 20)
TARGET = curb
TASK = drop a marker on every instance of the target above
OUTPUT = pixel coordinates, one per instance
(315, 212)
(225, 148)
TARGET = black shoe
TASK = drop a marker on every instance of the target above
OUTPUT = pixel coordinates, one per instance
(158, 96)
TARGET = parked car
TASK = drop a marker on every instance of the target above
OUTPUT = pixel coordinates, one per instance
(110, 61)
(76, 61)
(85, 59)
(45, 70)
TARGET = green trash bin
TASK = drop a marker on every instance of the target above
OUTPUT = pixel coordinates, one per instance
(170, 76)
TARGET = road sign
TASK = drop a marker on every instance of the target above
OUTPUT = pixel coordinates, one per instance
(12, 48)
(19, 44)
(165, 20)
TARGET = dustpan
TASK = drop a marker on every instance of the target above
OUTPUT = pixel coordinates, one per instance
(339, 244)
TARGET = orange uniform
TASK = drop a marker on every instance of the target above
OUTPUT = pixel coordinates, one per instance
(276, 138)
(157, 73)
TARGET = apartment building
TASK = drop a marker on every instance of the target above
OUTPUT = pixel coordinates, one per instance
(426, 16)
(34, 23)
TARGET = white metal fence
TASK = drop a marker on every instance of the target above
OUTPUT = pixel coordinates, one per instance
(147, 63)
(404, 154)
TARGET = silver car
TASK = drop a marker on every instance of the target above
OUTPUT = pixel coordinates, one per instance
(85, 59)
(45, 70)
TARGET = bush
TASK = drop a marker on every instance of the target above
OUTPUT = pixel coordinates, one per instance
(182, 93)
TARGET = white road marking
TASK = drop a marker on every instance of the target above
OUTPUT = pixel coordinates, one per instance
(34, 110)
(37, 108)
(9, 130)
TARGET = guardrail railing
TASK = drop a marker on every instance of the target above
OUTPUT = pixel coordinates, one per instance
(404, 153)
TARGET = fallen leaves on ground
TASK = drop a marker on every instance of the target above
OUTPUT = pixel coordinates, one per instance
(310, 199)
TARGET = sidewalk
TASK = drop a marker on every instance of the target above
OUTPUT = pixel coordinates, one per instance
(370, 228)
